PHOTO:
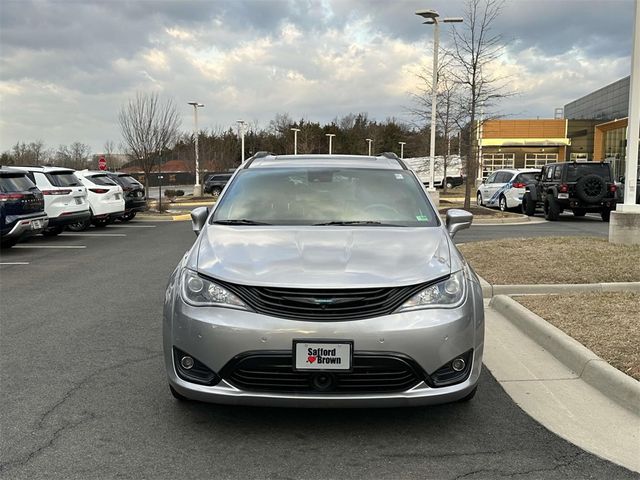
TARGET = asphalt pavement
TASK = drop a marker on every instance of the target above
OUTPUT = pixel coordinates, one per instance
(84, 393)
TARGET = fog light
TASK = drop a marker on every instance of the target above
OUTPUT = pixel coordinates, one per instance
(187, 362)
(458, 364)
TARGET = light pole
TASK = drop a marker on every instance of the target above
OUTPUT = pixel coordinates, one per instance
(295, 140)
(197, 188)
(241, 124)
(431, 17)
(369, 141)
(402, 144)
(330, 135)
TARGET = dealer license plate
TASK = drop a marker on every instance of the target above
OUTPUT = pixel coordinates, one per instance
(322, 355)
(36, 224)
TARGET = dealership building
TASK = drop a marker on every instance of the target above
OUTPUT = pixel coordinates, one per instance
(591, 128)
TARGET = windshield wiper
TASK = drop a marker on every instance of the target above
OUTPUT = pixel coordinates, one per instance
(358, 222)
(239, 221)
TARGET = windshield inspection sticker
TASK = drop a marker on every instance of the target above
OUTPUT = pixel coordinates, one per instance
(399, 176)
(422, 218)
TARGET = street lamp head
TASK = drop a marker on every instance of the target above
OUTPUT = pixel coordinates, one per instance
(295, 129)
(453, 20)
(429, 14)
(196, 104)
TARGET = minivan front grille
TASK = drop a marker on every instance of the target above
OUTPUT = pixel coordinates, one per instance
(325, 304)
(371, 373)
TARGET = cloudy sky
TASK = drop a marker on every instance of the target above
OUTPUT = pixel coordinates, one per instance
(67, 66)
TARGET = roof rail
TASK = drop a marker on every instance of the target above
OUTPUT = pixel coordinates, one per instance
(255, 156)
(393, 156)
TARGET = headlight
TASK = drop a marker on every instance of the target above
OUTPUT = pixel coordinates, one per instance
(447, 293)
(200, 292)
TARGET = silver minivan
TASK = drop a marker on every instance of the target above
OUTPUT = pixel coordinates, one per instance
(324, 281)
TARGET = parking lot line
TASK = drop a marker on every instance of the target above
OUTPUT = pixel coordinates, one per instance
(14, 263)
(93, 235)
(134, 226)
(50, 246)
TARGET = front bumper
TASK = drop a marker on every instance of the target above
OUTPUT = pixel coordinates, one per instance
(214, 336)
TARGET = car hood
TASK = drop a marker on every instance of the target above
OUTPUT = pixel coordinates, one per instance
(324, 257)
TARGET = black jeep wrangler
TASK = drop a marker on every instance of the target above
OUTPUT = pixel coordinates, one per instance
(578, 186)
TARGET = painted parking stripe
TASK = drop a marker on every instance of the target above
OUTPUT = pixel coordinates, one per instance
(93, 235)
(50, 246)
(14, 263)
(134, 226)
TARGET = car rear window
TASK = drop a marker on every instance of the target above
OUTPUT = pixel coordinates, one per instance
(577, 170)
(526, 177)
(62, 179)
(128, 180)
(102, 180)
(15, 183)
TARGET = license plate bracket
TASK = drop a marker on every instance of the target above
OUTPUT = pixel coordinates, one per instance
(311, 355)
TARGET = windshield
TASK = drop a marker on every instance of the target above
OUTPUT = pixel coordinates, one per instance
(312, 196)
(101, 180)
(15, 183)
(128, 180)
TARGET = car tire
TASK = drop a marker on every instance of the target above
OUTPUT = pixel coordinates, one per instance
(178, 396)
(469, 396)
(551, 209)
(215, 192)
(579, 212)
(479, 201)
(127, 217)
(528, 205)
(502, 203)
(53, 231)
(6, 243)
(605, 214)
(80, 226)
(100, 223)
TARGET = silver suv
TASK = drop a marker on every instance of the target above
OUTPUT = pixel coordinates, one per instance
(324, 281)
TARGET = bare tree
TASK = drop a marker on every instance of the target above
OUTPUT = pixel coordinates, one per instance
(475, 47)
(148, 127)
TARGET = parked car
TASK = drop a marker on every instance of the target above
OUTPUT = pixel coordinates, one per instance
(21, 207)
(134, 198)
(621, 190)
(65, 198)
(215, 183)
(105, 199)
(505, 188)
(581, 187)
(324, 280)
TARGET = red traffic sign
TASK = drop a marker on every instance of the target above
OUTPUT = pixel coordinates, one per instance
(102, 164)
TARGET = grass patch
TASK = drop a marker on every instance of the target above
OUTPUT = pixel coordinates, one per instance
(477, 211)
(528, 261)
(606, 323)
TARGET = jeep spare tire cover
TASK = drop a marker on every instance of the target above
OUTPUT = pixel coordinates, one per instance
(591, 188)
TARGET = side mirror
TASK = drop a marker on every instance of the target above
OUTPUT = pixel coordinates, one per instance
(458, 220)
(199, 218)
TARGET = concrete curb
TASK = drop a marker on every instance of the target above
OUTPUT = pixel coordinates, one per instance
(611, 382)
(489, 290)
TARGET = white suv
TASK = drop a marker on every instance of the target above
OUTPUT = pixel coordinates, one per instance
(505, 188)
(65, 198)
(105, 199)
